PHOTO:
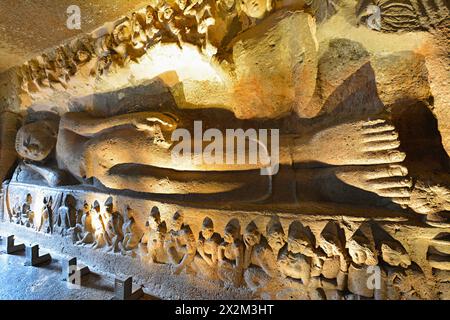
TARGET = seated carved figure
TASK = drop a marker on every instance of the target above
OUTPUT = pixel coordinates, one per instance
(26, 214)
(299, 260)
(231, 255)
(152, 242)
(46, 223)
(180, 245)
(335, 265)
(207, 248)
(364, 257)
(84, 231)
(65, 216)
(132, 234)
(263, 276)
(101, 238)
(113, 225)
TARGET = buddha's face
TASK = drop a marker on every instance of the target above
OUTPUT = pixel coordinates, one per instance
(35, 141)
(275, 240)
(255, 8)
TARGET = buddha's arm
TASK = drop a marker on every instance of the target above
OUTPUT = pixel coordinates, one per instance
(84, 124)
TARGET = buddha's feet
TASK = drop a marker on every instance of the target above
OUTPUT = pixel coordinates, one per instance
(388, 181)
(358, 143)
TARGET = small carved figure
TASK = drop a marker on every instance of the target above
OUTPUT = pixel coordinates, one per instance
(66, 215)
(207, 248)
(152, 26)
(47, 216)
(262, 276)
(180, 245)
(292, 260)
(149, 244)
(174, 28)
(208, 243)
(395, 261)
(231, 255)
(27, 215)
(113, 225)
(100, 234)
(335, 265)
(84, 232)
(15, 214)
(132, 234)
(138, 36)
(252, 238)
(364, 257)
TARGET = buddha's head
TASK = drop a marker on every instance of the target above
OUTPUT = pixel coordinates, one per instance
(35, 141)
(256, 8)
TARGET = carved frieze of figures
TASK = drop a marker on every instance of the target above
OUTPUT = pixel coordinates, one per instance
(180, 21)
(334, 262)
